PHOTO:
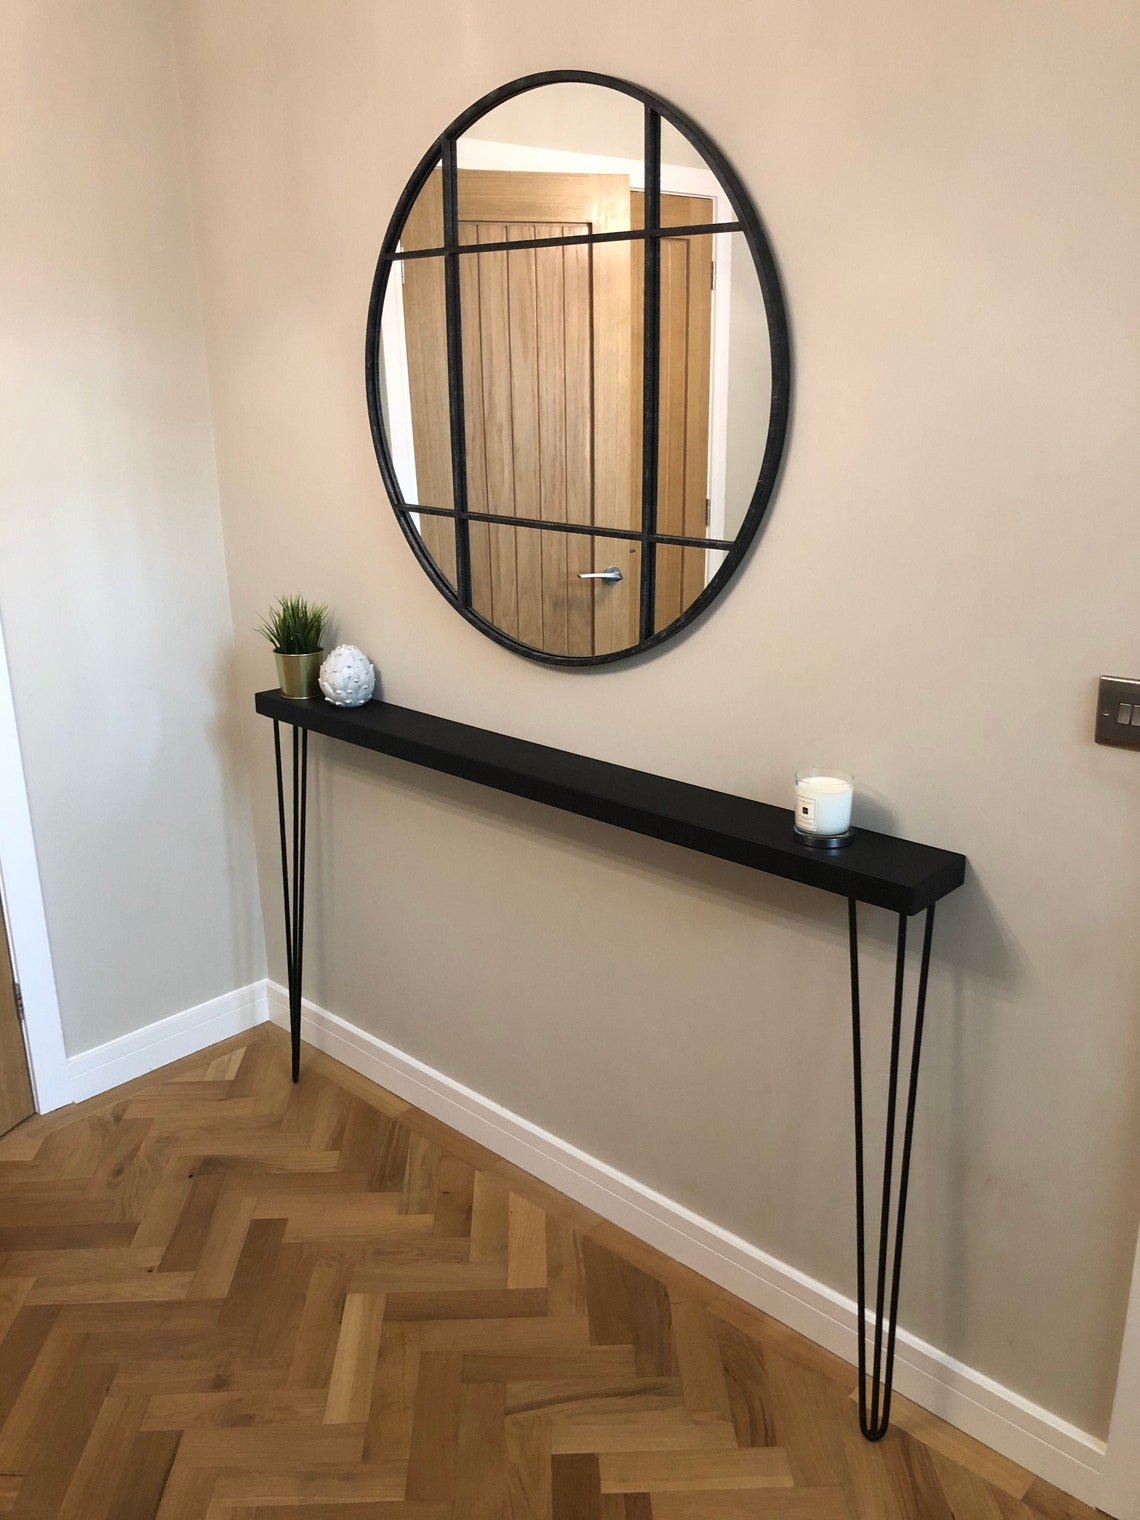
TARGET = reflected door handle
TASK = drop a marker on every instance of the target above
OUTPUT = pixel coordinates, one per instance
(610, 576)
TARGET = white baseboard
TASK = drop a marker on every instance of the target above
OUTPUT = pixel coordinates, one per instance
(143, 1050)
(1021, 1430)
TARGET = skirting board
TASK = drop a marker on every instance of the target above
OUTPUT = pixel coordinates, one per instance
(133, 1055)
(1012, 1425)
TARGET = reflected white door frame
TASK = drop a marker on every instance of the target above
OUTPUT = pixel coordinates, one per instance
(398, 387)
(1120, 1474)
(22, 901)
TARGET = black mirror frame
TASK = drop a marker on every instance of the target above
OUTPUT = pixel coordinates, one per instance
(442, 152)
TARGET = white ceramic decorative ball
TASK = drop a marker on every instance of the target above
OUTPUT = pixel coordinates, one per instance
(348, 677)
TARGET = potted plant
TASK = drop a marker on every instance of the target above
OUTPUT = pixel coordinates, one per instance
(294, 627)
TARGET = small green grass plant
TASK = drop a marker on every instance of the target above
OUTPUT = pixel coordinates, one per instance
(294, 626)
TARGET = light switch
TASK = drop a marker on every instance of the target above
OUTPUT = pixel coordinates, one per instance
(1118, 712)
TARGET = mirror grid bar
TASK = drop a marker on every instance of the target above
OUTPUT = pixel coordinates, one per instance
(651, 358)
(630, 235)
(555, 525)
(455, 371)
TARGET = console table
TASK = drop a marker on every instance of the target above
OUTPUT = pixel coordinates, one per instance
(878, 869)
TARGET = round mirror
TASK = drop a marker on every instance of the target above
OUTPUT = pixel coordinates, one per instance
(577, 367)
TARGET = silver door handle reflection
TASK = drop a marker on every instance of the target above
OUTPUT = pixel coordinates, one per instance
(610, 576)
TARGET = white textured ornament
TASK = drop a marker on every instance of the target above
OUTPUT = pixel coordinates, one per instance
(348, 677)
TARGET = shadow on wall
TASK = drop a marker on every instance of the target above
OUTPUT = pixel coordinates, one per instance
(224, 733)
(971, 939)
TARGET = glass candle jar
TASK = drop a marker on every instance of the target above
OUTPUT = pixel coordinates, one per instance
(823, 806)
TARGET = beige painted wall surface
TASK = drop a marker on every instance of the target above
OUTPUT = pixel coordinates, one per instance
(112, 579)
(949, 562)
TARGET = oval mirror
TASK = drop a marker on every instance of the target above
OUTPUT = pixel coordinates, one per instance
(577, 367)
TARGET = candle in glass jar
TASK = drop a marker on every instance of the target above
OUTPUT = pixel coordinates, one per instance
(823, 802)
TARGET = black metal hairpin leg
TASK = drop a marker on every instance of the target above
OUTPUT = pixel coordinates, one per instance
(293, 880)
(873, 1422)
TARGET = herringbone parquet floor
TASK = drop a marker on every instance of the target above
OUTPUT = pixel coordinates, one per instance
(225, 1298)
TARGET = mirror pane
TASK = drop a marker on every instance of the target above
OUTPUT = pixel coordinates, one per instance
(742, 385)
(437, 535)
(715, 384)
(677, 152)
(549, 407)
(413, 381)
(682, 574)
(685, 173)
(545, 589)
(548, 205)
(555, 127)
(423, 225)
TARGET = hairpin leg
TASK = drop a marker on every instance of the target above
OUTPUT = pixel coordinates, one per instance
(873, 1421)
(293, 877)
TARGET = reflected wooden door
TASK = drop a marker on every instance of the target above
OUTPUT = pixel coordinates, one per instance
(15, 1085)
(547, 403)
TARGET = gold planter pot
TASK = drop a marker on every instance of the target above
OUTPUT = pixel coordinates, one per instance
(297, 674)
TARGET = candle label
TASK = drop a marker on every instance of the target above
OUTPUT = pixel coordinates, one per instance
(805, 814)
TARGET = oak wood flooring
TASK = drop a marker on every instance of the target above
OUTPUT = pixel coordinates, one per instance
(226, 1298)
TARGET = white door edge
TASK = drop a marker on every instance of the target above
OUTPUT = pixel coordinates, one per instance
(1120, 1474)
(23, 906)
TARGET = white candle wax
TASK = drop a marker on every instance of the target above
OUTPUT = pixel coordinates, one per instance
(823, 804)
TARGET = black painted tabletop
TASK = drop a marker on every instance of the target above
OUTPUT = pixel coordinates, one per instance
(874, 868)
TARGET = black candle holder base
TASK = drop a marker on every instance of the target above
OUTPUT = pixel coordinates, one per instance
(824, 841)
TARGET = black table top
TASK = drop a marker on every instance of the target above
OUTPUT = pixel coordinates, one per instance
(874, 868)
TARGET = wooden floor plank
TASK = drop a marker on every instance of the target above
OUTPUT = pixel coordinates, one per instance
(274, 1406)
(454, 1198)
(145, 1475)
(490, 1205)
(354, 1365)
(32, 1412)
(392, 1408)
(435, 1428)
(528, 1459)
(698, 1359)
(332, 1484)
(481, 1452)
(637, 1472)
(57, 1459)
(314, 1347)
(95, 1482)
(576, 1489)
(526, 1244)
(758, 1504)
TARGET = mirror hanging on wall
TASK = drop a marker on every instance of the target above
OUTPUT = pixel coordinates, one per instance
(578, 368)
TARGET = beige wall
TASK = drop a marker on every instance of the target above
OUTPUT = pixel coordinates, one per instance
(949, 562)
(112, 581)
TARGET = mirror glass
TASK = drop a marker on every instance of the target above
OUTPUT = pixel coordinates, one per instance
(577, 119)
(434, 538)
(413, 383)
(523, 439)
(423, 226)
